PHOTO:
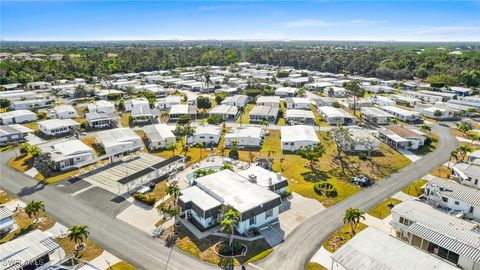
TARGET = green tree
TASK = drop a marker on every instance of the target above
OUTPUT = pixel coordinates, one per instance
(184, 120)
(352, 217)
(204, 102)
(425, 128)
(78, 234)
(24, 148)
(312, 153)
(464, 126)
(230, 220)
(355, 91)
(4, 103)
(33, 209)
(463, 151)
(437, 114)
(470, 78)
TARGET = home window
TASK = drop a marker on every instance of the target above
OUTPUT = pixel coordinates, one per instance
(457, 203)
(444, 199)
(251, 221)
(269, 213)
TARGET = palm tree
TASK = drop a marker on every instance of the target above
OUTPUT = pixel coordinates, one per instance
(77, 234)
(234, 144)
(463, 150)
(464, 126)
(425, 128)
(173, 190)
(172, 148)
(164, 115)
(188, 131)
(352, 217)
(453, 154)
(264, 123)
(394, 121)
(229, 221)
(33, 208)
(474, 136)
(241, 111)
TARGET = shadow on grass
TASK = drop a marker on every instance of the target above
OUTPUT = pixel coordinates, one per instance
(315, 176)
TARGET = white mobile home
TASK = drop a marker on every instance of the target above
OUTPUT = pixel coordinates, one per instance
(286, 91)
(401, 137)
(226, 112)
(56, 127)
(245, 136)
(237, 100)
(17, 117)
(295, 117)
(298, 103)
(402, 114)
(69, 154)
(336, 116)
(270, 101)
(101, 106)
(443, 113)
(63, 112)
(382, 101)
(159, 136)
(182, 109)
(294, 137)
(98, 120)
(260, 113)
(375, 115)
(119, 141)
(207, 134)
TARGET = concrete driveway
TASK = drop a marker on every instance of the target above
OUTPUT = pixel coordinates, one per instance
(293, 212)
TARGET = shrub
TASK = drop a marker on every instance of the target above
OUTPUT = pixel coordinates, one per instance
(146, 199)
(363, 156)
(214, 119)
(233, 154)
(325, 188)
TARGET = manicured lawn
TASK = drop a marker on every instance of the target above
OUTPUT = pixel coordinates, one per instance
(6, 197)
(427, 149)
(56, 176)
(245, 119)
(301, 180)
(442, 171)
(382, 210)
(340, 237)
(194, 154)
(21, 163)
(318, 119)
(203, 248)
(315, 266)
(26, 225)
(90, 252)
(415, 188)
(122, 266)
(124, 121)
(32, 125)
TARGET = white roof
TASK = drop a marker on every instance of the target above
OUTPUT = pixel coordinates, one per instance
(235, 190)
(457, 191)
(58, 123)
(376, 250)
(12, 114)
(376, 112)
(199, 197)
(268, 99)
(26, 248)
(179, 109)
(117, 136)
(330, 111)
(224, 109)
(394, 109)
(298, 100)
(158, 132)
(208, 129)
(299, 113)
(64, 108)
(245, 132)
(450, 232)
(264, 177)
(289, 90)
(298, 133)
(65, 149)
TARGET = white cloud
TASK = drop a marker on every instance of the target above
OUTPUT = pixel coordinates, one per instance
(447, 30)
(322, 23)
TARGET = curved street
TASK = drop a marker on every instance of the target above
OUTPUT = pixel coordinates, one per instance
(305, 240)
(133, 245)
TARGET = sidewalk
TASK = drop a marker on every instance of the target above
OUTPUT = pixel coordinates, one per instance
(409, 154)
(322, 257)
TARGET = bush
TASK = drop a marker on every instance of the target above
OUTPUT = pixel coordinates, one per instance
(214, 119)
(233, 154)
(362, 156)
(146, 199)
(325, 188)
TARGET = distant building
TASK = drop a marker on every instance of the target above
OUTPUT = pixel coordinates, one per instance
(295, 137)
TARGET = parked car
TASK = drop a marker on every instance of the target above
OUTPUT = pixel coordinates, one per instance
(361, 180)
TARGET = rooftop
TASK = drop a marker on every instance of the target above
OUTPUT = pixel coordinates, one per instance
(298, 133)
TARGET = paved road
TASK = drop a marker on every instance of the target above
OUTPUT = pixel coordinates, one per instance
(304, 241)
(119, 238)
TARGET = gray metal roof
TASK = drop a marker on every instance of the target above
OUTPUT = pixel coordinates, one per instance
(457, 191)
(455, 234)
(5, 212)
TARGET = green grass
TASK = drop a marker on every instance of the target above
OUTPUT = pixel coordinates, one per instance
(124, 121)
(32, 125)
(6, 197)
(90, 252)
(245, 119)
(382, 210)
(318, 119)
(122, 266)
(315, 266)
(301, 180)
(260, 255)
(415, 188)
(340, 237)
(427, 148)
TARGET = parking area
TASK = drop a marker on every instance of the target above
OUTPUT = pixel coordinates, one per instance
(103, 200)
(72, 185)
(293, 212)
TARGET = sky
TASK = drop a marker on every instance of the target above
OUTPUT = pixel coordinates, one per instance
(386, 20)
